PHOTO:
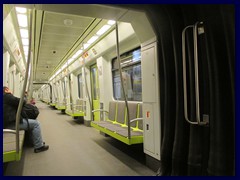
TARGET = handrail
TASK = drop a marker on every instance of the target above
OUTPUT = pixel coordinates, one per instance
(120, 73)
(195, 41)
(184, 75)
(136, 119)
(101, 110)
(74, 105)
(9, 131)
(18, 115)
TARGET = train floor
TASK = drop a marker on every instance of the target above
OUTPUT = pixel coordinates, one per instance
(77, 150)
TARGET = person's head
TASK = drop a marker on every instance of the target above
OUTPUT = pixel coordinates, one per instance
(6, 90)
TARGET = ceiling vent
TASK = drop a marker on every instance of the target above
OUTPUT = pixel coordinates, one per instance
(68, 22)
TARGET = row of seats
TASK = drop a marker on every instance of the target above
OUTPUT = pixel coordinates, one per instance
(77, 109)
(116, 122)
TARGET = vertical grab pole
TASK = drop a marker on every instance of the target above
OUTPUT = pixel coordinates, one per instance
(29, 88)
(24, 87)
(120, 73)
(86, 86)
(70, 88)
(70, 92)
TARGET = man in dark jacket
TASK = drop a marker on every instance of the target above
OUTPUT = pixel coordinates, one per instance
(10, 106)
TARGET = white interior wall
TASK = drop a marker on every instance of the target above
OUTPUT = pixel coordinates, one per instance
(6, 61)
(105, 82)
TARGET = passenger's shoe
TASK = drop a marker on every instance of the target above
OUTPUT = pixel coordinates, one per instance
(43, 148)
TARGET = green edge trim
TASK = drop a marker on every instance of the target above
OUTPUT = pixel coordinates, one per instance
(75, 114)
(133, 140)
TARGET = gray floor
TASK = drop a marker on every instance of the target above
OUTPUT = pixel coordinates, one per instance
(77, 150)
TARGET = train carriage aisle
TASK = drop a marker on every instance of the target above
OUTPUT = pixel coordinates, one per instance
(155, 84)
(77, 150)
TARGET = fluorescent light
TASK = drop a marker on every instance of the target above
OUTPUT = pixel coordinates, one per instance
(85, 46)
(111, 22)
(24, 33)
(77, 54)
(70, 60)
(26, 53)
(21, 10)
(64, 66)
(25, 42)
(103, 30)
(25, 48)
(79, 51)
(57, 72)
(22, 20)
(92, 39)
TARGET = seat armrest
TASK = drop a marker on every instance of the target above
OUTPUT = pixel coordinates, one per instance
(100, 110)
(136, 119)
(9, 131)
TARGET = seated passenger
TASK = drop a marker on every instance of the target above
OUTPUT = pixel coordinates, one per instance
(10, 106)
(32, 101)
(25, 96)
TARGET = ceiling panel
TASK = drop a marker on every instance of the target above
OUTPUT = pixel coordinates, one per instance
(52, 29)
(59, 34)
(57, 19)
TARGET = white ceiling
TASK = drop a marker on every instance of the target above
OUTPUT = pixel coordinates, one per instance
(56, 40)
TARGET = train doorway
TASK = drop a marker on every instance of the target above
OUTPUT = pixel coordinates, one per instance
(95, 92)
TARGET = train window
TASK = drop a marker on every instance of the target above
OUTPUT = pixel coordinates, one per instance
(132, 79)
(80, 86)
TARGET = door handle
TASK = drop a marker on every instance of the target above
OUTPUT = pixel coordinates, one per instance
(197, 29)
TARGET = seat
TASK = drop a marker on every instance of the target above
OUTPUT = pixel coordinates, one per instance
(9, 145)
(116, 125)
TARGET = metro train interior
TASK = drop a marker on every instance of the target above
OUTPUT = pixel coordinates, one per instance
(122, 89)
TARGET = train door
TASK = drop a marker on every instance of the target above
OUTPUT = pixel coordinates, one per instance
(206, 85)
(70, 97)
(80, 86)
(57, 93)
(65, 91)
(95, 92)
(56, 87)
(53, 94)
(62, 95)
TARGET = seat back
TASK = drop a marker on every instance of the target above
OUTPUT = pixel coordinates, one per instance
(112, 111)
(132, 106)
(120, 112)
(79, 105)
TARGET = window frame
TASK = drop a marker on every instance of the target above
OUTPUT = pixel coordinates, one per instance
(126, 68)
